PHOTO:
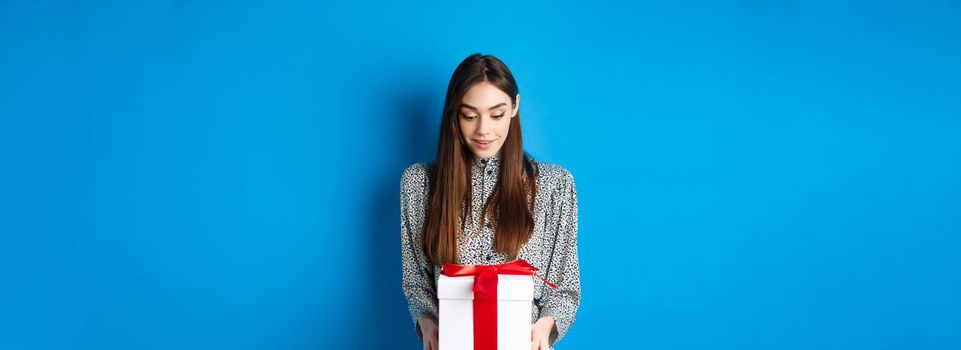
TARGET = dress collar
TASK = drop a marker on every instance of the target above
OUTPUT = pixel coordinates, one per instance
(494, 161)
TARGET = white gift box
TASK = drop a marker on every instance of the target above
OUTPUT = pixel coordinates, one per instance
(515, 294)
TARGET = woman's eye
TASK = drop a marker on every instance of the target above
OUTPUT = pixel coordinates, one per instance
(469, 117)
(498, 116)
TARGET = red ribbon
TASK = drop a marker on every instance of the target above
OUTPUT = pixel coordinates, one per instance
(485, 295)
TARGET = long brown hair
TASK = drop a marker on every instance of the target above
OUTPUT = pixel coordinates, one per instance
(512, 198)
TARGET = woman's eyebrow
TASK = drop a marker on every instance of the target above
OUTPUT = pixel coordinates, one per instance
(475, 108)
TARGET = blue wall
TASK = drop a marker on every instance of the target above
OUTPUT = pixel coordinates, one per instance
(751, 175)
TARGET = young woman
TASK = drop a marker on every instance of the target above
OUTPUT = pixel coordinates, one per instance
(485, 201)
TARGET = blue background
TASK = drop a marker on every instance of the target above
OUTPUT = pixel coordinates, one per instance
(751, 174)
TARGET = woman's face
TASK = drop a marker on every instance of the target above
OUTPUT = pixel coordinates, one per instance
(485, 118)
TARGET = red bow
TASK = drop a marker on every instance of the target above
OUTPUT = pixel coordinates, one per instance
(485, 295)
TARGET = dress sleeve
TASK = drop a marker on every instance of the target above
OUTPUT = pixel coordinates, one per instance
(418, 275)
(563, 267)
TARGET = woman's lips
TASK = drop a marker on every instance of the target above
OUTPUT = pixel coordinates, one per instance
(482, 145)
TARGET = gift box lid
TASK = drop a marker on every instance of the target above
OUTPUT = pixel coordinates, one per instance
(509, 287)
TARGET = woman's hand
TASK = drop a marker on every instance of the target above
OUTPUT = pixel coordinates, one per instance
(541, 333)
(428, 331)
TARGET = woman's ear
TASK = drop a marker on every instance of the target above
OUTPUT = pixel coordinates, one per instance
(517, 105)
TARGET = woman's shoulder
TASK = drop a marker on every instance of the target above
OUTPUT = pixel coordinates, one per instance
(416, 174)
(553, 175)
(416, 169)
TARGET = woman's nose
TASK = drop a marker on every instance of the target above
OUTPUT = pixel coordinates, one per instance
(482, 127)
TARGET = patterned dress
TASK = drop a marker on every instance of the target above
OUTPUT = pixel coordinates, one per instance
(552, 248)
